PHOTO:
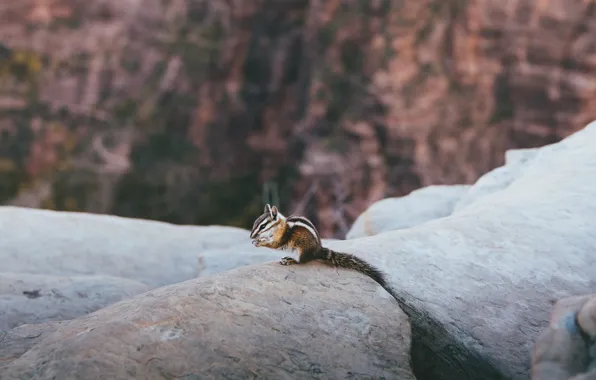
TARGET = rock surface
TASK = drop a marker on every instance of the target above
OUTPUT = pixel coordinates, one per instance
(218, 260)
(182, 110)
(566, 349)
(479, 284)
(265, 321)
(30, 298)
(499, 178)
(154, 253)
(418, 207)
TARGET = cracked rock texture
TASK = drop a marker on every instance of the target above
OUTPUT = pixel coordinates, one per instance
(35, 298)
(478, 284)
(182, 110)
(265, 321)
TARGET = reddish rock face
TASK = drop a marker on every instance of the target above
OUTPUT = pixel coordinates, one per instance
(184, 110)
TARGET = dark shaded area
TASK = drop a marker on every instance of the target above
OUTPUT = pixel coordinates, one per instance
(32, 293)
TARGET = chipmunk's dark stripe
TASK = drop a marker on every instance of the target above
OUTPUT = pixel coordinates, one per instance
(296, 220)
(257, 223)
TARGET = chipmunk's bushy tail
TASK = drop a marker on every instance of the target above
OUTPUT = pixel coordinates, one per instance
(349, 261)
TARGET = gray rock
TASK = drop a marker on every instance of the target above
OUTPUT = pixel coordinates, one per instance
(498, 179)
(515, 157)
(479, 284)
(263, 321)
(218, 260)
(420, 206)
(71, 244)
(30, 298)
(70, 248)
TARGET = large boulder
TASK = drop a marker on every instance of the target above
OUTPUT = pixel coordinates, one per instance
(35, 298)
(154, 253)
(418, 207)
(478, 284)
(262, 321)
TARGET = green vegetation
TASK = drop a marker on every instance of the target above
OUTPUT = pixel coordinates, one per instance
(23, 65)
(19, 70)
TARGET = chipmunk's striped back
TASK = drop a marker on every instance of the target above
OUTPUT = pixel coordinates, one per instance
(294, 221)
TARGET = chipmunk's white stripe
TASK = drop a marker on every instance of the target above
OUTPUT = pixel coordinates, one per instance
(256, 227)
(305, 221)
(309, 228)
(267, 220)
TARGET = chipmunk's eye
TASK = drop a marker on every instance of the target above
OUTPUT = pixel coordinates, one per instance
(262, 227)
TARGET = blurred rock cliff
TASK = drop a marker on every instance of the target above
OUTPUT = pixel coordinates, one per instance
(185, 110)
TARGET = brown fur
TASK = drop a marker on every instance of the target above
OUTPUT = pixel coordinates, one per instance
(301, 240)
(278, 235)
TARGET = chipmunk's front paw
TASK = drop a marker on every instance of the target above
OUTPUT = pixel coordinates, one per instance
(287, 261)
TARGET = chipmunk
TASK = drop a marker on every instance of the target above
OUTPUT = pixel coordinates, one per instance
(297, 233)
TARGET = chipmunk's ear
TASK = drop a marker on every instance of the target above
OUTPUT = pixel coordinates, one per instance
(267, 208)
(273, 212)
